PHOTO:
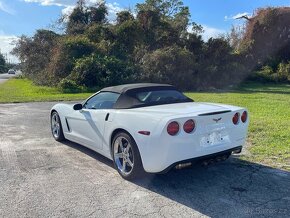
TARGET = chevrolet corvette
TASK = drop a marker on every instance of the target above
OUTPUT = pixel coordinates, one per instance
(152, 128)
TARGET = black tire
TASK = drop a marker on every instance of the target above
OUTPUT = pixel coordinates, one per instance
(58, 137)
(137, 170)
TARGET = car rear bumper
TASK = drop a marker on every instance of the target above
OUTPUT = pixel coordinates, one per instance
(204, 158)
(162, 157)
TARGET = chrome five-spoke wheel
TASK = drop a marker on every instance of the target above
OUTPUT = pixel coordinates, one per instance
(123, 155)
(55, 125)
(56, 128)
(126, 156)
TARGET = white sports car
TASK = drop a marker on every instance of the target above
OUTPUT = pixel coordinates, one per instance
(151, 127)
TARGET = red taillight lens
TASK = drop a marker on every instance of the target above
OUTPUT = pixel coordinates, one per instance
(236, 118)
(189, 126)
(244, 116)
(173, 128)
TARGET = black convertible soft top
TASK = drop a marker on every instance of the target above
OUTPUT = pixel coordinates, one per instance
(126, 87)
(127, 98)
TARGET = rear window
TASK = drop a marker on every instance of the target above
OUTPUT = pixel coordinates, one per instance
(157, 97)
(160, 96)
(150, 96)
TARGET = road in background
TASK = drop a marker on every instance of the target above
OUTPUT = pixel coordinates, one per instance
(5, 76)
(40, 177)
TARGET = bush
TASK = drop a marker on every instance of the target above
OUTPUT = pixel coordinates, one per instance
(98, 71)
(78, 46)
(173, 65)
(267, 74)
(283, 72)
(69, 86)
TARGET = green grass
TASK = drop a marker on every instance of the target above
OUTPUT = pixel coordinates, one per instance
(268, 105)
(269, 129)
(23, 90)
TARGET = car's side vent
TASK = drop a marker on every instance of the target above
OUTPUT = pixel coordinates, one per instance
(214, 113)
(67, 125)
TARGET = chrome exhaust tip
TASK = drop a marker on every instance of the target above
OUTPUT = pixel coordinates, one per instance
(183, 165)
(237, 151)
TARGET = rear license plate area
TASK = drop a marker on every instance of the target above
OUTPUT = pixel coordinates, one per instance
(213, 138)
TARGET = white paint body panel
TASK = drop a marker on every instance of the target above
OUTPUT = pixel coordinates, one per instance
(159, 150)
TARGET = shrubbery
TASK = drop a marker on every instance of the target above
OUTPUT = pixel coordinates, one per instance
(68, 86)
(173, 65)
(99, 71)
(154, 46)
(268, 74)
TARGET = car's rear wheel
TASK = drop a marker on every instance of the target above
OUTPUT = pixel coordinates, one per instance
(56, 128)
(126, 156)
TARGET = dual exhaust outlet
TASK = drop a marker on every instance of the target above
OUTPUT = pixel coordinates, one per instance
(209, 161)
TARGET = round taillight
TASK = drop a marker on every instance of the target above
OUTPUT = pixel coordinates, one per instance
(236, 118)
(189, 126)
(244, 116)
(173, 128)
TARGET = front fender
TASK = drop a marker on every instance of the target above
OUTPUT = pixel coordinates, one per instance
(63, 110)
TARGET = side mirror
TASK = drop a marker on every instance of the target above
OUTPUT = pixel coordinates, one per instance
(78, 107)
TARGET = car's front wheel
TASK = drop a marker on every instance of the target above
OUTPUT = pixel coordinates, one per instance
(56, 128)
(126, 156)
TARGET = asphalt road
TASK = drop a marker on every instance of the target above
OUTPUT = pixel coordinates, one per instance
(5, 76)
(40, 177)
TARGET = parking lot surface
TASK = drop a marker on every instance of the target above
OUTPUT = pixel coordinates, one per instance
(40, 177)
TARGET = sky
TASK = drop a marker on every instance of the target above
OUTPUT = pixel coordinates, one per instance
(24, 17)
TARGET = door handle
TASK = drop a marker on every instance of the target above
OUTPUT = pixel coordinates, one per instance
(107, 116)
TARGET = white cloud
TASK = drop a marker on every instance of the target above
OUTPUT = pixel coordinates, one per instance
(233, 17)
(4, 7)
(6, 46)
(113, 8)
(64, 3)
(67, 10)
(211, 32)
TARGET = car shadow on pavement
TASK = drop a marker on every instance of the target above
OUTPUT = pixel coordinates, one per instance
(89, 152)
(233, 188)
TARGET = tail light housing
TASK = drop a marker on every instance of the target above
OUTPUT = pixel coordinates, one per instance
(189, 126)
(236, 118)
(173, 128)
(244, 116)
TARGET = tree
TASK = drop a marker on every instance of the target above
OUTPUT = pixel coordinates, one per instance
(97, 13)
(173, 65)
(124, 16)
(166, 8)
(128, 35)
(266, 38)
(78, 19)
(235, 37)
(83, 16)
(3, 67)
(35, 53)
(164, 22)
(154, 46)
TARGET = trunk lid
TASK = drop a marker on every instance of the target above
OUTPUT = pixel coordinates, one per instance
(195, 108)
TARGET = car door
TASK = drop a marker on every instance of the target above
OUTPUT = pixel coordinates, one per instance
(87, 125)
